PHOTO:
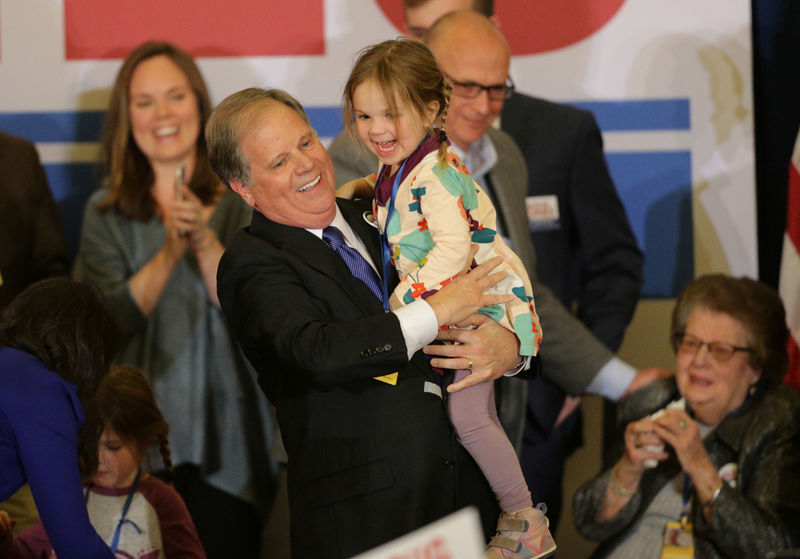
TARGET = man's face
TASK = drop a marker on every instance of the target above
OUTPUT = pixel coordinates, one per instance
(292, 174)
(483, 62)
(421, 18)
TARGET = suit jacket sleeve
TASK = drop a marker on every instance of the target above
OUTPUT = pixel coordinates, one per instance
(33, 244)
(48, 253)
(571, 354)
(289, 316)
(563, 152)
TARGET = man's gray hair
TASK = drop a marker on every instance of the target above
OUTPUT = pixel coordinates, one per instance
(230, 121)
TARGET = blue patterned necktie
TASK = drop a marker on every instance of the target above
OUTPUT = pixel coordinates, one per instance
(359, 267)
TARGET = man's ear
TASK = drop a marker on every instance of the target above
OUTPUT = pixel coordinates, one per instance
(243, 191)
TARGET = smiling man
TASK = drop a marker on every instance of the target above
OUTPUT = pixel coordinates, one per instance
(371, 452)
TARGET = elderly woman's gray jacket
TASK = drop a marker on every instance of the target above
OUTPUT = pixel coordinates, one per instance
(761, 514)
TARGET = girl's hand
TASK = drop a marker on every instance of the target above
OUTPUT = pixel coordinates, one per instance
(642, 443)
(6, 525)
(358, 188)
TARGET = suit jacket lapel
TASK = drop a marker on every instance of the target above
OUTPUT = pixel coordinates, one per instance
(510, 191)
(312, 250)
(354, 215)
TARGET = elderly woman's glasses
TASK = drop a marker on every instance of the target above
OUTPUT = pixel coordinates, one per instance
(720, 351)
(470, 90)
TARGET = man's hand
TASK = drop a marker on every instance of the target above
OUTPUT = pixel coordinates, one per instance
(465, 293)
(490, 348)
(644, 377)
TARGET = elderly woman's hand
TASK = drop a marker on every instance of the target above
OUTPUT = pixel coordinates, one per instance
(642, 443)
(682, 433)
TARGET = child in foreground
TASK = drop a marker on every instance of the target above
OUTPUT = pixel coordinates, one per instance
(430, 212)
(138, 515)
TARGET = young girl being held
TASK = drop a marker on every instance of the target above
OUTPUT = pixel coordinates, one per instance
(430, 212)
(138, 515)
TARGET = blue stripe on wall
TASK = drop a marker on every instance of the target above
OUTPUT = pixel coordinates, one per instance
(655, 187)
(85, 126)
(72, 184)
(327, 121)
(612, 116)
(649, 114)
(70, 126)
(656, 190)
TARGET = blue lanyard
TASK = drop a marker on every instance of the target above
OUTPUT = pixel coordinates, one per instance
(386, 254)
(687, 493)
(125, 508)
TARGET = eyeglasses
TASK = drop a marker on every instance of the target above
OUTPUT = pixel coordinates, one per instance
(720, 351)
(470, 90)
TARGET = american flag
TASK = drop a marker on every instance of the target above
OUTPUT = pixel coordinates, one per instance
(790, 268)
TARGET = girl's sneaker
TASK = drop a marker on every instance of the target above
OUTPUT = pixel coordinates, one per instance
(523, 535)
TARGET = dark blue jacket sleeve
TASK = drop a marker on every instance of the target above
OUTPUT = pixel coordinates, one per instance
(46, 429)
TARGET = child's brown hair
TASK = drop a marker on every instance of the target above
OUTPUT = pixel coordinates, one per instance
(127, 403)
(401, 68)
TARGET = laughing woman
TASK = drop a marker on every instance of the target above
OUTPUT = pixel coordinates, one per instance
(151, 240)
(721, 475)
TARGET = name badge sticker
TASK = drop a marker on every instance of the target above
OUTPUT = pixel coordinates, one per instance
(391, 378)
(678, 541)
(543, 212)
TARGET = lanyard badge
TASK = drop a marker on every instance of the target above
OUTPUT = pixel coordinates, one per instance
(678, 537)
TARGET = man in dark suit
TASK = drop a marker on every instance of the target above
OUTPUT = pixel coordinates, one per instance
(32, 246)
(575, 238)
(371, 453)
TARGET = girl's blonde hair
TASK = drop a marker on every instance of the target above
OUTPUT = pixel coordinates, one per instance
(405, 71)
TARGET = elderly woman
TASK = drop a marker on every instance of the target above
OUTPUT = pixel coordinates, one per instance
(152, 240)
(726, 468)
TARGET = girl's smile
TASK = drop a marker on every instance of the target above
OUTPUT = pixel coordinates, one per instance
(392, 137)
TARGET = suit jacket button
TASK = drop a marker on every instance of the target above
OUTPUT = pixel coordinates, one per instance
(379, 349)
(449, 464)
(387, 347)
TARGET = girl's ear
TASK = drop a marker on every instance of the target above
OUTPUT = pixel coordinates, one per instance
(431, 110)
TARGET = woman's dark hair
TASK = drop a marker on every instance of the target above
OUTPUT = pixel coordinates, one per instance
(755, 305)
(130, 175)
(66, 326)
(126, 402)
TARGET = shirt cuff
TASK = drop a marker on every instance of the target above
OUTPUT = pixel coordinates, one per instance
(612, 379)
(418, 324)
(524, 365)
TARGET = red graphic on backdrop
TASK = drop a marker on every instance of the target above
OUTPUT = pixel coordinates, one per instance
(534, 26)
(110, 29)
